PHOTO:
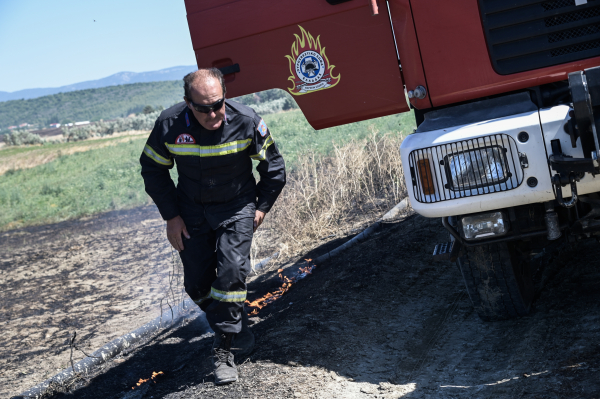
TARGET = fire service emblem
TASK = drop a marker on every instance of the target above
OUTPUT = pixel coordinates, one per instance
(185, 139)
(309, 66)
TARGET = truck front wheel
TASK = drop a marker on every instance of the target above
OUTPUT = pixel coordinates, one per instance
(498, 280)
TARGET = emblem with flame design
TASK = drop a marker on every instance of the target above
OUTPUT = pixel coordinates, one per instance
(309, 66)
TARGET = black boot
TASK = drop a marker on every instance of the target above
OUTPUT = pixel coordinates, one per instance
(225, 370)
(243, 342)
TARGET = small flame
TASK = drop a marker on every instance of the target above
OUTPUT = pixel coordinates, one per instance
(260, 303)
(142, 381)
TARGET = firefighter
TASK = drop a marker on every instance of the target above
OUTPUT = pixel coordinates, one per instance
(217, 205)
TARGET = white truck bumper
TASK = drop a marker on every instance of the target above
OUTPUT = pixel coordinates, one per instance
(431, 160)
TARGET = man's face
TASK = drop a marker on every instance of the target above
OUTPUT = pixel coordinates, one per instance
(205, 93)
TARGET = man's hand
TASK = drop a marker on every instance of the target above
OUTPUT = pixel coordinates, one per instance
(258, 219)
(176, 227)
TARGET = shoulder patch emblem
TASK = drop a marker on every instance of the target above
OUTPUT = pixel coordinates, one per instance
(262, 128)
(185, 139)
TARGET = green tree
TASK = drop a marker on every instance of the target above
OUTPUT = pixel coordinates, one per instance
(148, 110)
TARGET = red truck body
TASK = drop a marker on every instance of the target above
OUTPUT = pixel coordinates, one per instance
(507, 145)
(441, 45)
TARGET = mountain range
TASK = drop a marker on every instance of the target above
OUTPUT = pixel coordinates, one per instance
(174, 73)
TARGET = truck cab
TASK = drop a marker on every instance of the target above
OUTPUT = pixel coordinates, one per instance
(505, 96)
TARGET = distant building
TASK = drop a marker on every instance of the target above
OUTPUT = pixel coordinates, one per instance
(12, 127)
(77, 123)
(24, 125)
(55, 125)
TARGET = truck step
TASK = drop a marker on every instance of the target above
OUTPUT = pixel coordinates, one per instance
(446, 251)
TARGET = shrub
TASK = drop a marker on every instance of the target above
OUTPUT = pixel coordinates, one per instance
(76, 134)
(271, 107)
(268, 101)
(275, 106)
(22, 137)
(104, 128)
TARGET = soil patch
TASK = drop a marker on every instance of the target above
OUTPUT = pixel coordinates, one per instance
(101, 277)
(384, 321)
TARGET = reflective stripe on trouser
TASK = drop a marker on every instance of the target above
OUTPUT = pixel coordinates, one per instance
(216, 279)
(201, 300)
(228, 296)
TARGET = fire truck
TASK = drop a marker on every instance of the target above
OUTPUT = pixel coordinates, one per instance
(506, 97)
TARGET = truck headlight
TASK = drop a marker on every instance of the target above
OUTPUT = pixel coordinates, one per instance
(484, 225)
(476, 168)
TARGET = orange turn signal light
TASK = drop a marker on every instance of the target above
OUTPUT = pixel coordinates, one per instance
(426, 177)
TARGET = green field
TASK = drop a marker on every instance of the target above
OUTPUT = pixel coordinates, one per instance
(294, 136)
(108, 178)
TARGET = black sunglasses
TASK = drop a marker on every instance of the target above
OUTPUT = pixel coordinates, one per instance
(206, 109)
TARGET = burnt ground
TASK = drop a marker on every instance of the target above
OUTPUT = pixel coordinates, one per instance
(99, 277)
(384, 321)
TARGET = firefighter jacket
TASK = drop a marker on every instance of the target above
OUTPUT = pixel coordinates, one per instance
(214, 166)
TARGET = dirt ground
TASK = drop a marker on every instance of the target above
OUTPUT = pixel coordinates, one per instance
(380, 321)
(99, 277)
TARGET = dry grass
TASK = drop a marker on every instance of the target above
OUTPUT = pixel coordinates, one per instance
(324, 196)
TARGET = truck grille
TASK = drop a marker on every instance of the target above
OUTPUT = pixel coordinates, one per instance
(466, 168)
(527, 34)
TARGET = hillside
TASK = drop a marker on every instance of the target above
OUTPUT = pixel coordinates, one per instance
(90, 105)
(120, 78)
(117, 101)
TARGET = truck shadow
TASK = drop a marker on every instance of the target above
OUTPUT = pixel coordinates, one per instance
(384, 319)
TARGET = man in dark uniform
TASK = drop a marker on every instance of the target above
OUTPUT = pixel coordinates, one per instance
(212, 213)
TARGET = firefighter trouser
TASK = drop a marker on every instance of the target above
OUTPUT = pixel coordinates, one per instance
(215, 265)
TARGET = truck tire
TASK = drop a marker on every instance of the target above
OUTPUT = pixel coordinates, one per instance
(498, 281)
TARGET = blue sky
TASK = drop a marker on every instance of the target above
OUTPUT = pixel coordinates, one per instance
(54, 43)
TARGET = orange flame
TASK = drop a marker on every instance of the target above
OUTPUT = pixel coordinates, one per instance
(142, 381)
(305, 43)
(260, 303)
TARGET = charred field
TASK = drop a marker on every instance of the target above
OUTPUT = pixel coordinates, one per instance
(383, 320)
